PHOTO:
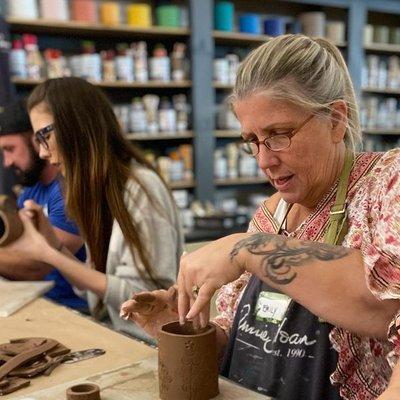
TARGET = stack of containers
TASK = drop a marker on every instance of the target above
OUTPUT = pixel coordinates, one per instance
(107, 12)
(310, 23)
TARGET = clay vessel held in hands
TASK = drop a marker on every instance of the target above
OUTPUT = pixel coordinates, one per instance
(11, 227)
(187, 362)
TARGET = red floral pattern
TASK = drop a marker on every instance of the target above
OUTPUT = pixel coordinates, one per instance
(363, 369)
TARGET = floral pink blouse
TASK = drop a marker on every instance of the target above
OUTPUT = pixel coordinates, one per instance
(364, 364)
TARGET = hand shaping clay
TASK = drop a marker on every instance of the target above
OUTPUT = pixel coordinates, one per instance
(84, 391)
(11, 227)
(187, 362)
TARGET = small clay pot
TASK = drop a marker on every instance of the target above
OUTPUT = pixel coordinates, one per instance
(11, 227)
(84, 391)
(187, 362)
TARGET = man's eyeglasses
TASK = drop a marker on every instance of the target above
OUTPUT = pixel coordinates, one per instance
(42, 135)
(277, 142)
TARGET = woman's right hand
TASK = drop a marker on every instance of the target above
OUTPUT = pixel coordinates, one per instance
(151, 310)
(31, 244)
(41, 222)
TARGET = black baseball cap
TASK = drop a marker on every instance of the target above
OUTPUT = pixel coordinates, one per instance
(14, 118)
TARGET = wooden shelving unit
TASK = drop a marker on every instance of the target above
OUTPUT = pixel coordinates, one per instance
(145, 136)
(235, 38)
(382, 131)
(383, 48)
(220, 133)
(354, 13)
(77, 28)
(182, 185)
(118, 84)
(381, 91)
(241, 181)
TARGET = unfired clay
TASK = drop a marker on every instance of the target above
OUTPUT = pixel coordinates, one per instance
(85, 391)
(187, 362)
(11, 227)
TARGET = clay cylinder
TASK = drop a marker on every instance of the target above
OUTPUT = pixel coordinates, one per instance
(84, 391)
(187, 362)
(11, 227)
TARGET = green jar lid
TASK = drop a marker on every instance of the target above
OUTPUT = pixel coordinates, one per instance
(168, 15)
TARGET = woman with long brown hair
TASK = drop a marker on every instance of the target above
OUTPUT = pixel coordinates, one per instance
(122, 207)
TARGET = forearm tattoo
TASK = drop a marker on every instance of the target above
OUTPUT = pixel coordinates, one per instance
(279, 262)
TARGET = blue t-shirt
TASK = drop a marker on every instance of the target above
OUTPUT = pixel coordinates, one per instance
(52, 201)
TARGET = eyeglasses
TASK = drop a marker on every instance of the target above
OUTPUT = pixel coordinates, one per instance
(275, 142)
(42, 135)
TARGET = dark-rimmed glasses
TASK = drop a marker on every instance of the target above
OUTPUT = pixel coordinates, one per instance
(275, 142)
(42, 135)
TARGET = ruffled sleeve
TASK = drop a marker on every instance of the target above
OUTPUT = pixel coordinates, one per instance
(228, 300)
(374, 219)
(381, 249)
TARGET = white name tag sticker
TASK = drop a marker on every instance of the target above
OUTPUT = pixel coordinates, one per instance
(271, 307)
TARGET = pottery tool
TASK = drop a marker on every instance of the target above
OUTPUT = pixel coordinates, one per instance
(74, 357)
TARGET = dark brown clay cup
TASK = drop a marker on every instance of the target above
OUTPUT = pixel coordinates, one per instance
(187, 362)
(84, 391)
(11, 227)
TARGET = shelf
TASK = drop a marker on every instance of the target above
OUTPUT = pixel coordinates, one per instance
(78, 28)
(237, 38)
(241, 181)
(220, 133)
(225, 86)
(382, 131)
(383, 48)
(181, 185)
(118, 84)
(144, 136)
(382, 91)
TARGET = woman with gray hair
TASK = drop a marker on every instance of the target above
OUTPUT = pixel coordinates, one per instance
(318, 268)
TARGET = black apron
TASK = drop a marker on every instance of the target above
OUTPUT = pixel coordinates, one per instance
(278, 348)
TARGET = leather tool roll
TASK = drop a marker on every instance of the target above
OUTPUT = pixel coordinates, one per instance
(11, 227)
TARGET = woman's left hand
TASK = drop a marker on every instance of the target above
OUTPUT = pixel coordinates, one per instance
(204, 271)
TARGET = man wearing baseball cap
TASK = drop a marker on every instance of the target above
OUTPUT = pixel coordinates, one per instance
(40, 183)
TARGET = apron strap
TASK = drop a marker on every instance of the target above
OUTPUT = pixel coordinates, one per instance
(337, 226)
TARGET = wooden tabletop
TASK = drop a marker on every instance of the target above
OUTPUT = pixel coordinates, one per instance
(128, 369)
(43, 318)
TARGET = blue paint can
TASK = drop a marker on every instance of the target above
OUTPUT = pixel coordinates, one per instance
(274, 26)
(224, 16)
(250, 23)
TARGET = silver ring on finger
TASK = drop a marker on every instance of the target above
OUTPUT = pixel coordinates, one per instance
(195, 291)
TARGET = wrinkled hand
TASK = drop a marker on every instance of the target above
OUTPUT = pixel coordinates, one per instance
(151, 310)
(42, 223)
(207, 269)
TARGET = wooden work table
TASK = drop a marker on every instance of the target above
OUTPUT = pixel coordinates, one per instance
(128, 369)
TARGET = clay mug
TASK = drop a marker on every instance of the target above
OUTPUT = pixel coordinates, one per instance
(187, 362)
(11, 227)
